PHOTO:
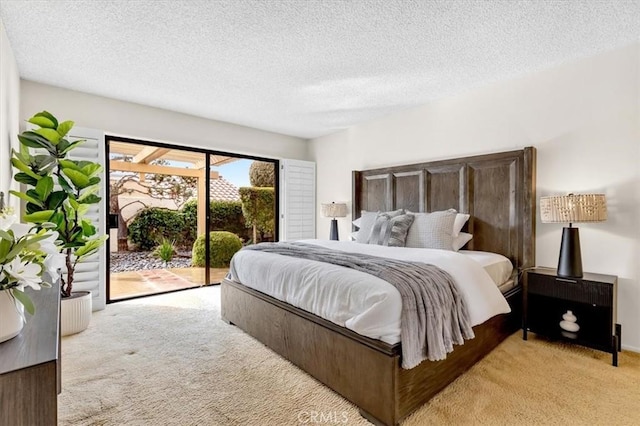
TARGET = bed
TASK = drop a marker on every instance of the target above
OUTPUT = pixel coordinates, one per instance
(498, 191)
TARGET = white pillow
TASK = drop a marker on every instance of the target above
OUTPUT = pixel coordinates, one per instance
(357, 223)
(461, 240)
(458, 224)
(432, 230)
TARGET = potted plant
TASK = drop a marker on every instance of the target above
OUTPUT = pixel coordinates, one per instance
(60, 193)
(26, 254)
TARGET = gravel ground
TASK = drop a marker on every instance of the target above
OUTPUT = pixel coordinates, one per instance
(139, 260)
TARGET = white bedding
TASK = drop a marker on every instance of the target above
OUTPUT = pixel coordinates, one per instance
(497, 266)
(356, 300)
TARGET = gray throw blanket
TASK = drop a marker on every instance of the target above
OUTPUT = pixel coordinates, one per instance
(434, 314)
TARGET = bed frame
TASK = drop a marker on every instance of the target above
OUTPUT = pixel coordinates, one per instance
(498, 190)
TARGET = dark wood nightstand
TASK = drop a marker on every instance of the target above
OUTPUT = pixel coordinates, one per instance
(579, 310)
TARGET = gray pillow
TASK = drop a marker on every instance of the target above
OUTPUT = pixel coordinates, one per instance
(391, 231)
(432, 230)
(367, 220)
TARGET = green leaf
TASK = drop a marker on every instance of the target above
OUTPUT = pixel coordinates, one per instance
(77, 236)
(62, 145)
(25, 157)
(87, 228)
(42, 122)
(84, 163)
(90, 199)
(27, 198)
(44, 164)
(91, 169)
(79, 179)
(39, 217)
(15, 162)
(71, 146)
(64, 127)
(90, 247)
(88, 191)
(5, 235)
(58, 219)
(50, 134)
(32, 208)
(44, 187)
(25, 178)
(74, 203)
(34, 140)
(56, 199)
(64, 184)
(73, 244)
(24, 299)
(82, 209)
(34, 194)
(70, 164)
(48, 115)
(94, 180)
(5, 247)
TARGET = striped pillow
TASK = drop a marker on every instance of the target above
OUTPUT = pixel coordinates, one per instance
(432, 230)
(366, 221)
(390, 231)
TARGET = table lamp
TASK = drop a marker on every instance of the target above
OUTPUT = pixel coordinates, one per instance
(571, 209)
(334, 210)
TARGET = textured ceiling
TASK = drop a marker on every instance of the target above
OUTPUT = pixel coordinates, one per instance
(303, 68)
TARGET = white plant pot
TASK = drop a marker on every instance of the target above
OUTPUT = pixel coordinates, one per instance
(11, 322)
(75, 312)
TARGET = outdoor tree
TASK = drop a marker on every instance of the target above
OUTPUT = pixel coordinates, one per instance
(262, 174)
(258, 201)
(258, 208)
(179, 189)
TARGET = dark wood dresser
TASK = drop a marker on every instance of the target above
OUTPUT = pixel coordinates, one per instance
(29, 365)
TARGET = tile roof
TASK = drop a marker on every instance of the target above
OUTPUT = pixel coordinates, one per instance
(221, 189)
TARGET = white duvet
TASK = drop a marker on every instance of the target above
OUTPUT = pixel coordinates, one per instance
(356, 300)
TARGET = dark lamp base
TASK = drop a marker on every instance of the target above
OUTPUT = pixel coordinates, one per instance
(334, 230)
(570, 261)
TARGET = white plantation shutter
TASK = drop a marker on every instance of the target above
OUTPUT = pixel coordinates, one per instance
(91, 274)
(297, 200)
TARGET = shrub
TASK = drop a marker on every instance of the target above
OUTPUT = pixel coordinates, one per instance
(223, 245)
(190, 217)
(262, 174)
(225, 216)
(153, 224)
(165, 251)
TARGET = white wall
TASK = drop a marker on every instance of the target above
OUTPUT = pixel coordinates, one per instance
(138, 121)
(584, 120)
(9, 108)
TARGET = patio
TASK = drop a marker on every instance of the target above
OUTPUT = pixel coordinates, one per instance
(129, 284)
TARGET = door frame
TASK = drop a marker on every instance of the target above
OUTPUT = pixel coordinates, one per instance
(207, 152)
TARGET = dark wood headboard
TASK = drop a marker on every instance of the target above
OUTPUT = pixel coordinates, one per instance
(497, 190)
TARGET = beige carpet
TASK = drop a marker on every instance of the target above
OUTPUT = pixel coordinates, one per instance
(170, 360)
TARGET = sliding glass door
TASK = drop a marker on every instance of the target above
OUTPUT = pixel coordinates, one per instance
(164, 200)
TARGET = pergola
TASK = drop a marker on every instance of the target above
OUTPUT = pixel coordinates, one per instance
(191, 164)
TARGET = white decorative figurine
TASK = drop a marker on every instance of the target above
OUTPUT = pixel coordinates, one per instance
(569, 322)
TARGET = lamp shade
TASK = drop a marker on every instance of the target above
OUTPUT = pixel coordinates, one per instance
(334, 210)
(573, 208)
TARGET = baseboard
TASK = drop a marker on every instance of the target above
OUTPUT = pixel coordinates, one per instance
(630, 348)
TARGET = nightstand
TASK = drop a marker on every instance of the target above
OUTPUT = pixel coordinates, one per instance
(579, 310)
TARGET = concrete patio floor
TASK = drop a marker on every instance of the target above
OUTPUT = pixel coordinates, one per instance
(124, 285)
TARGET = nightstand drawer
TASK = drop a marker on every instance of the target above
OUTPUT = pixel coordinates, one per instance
(576, 290)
